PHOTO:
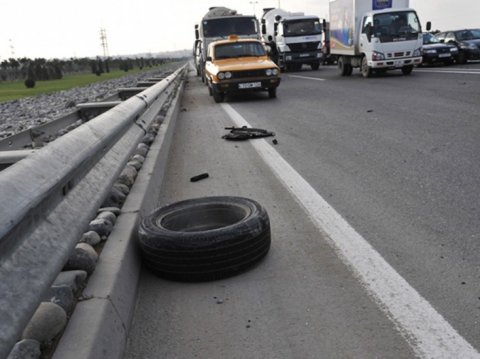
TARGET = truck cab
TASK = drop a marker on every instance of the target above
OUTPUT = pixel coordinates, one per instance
(295, 38)
(218, 24)
(390, 40)
(375, 36)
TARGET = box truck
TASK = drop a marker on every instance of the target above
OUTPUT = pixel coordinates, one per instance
(294, 38)
(375, 36)
(218, 24)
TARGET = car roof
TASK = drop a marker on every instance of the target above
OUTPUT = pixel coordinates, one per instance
(442, 32)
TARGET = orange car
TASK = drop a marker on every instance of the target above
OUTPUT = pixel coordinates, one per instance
(238, 65)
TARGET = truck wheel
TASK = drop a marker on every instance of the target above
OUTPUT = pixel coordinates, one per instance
(218, 96)
(366, 70)
(342, 66)
(272, 92)
(205, 238)
(315, 66)
(407, 70)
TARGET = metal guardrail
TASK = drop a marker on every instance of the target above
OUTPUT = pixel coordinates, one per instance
(48, 198)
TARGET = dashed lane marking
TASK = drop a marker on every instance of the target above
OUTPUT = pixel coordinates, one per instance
(426, 331)
(467, 72)
(307, 77)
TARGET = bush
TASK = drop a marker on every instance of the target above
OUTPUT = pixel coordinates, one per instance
(30, 83)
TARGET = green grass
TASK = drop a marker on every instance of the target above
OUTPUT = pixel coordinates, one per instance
(13, 90)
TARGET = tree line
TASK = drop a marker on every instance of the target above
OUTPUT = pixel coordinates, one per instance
(40, 69)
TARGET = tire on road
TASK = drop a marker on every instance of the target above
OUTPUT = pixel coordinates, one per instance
(206, 238)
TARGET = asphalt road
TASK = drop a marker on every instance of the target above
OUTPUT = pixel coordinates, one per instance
(396, 157)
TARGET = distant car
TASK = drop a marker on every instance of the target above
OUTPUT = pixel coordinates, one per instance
(240, 65)
(434, 51)
(467, 41)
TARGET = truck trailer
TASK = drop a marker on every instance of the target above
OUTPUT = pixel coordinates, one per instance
(218, 24)
(294, 38)
(375, 36)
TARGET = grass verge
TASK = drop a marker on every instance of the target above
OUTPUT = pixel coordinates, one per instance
(13, 90)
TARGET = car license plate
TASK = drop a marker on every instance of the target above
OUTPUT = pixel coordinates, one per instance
(444, 55)
(250, 85)
(304, 55)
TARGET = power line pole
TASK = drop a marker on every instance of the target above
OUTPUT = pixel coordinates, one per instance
(12, 48)
(103, 38)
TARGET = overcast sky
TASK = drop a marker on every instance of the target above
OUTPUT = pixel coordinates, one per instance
(65, 28)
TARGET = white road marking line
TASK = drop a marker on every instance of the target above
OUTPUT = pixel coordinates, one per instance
(307, 78)
(426, 331)
(450, 71)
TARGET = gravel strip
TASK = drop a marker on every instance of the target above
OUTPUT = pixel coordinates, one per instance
(22, 114)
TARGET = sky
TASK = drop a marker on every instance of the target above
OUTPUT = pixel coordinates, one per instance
(65, 29)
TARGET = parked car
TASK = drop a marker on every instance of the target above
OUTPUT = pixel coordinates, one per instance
(434, 51)
(239, 65)
(467, 41)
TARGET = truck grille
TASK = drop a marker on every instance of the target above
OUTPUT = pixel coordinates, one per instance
(305, 46)
(399, 54)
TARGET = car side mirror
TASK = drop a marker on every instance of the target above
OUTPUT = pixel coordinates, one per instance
(209, 58)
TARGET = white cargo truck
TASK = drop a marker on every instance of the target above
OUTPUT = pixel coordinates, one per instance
(218, 24)
(294, 38)
(375, 36)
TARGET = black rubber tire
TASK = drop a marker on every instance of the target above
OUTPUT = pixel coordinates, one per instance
(365, 69)
(462, 58)
(345, 69)
(206, 238)
(218, 96)
(272, 92)
(407, 70)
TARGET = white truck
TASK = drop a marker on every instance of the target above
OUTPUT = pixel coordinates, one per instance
(218, 24)
(375, 36)
(294, 38)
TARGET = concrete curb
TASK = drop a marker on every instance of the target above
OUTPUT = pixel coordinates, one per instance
(99, 324)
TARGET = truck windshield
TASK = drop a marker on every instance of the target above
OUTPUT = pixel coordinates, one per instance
(302, 27)
(224, 27)
(239, 49)
(396, 26)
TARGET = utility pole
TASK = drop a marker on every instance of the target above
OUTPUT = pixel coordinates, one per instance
(12, 48)
(103, 38)
(253, 3)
